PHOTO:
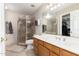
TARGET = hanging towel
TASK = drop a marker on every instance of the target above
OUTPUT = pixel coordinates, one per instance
(10, 28)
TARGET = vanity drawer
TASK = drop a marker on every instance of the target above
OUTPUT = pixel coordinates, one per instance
(52, 48)
(41, 42)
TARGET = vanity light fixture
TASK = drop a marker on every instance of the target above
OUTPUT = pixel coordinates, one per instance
(56, 6)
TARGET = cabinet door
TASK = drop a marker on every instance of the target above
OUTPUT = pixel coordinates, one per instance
(52, 48)
(43, 51)
(74, 23)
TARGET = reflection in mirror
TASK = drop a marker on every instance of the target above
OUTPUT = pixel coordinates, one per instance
(66, 25)
(51, 26)
(44, 28)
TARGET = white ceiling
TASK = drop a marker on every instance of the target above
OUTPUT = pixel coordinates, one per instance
(24, 8)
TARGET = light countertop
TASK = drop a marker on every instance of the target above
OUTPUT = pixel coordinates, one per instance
(68, 43)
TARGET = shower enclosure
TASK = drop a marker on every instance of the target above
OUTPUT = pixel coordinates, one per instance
(25, 29)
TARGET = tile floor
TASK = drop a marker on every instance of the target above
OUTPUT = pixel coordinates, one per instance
(16, 50)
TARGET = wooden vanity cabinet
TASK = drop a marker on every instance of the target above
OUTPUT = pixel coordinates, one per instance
(35, 42)
(66, 53)
(35, 45)
(52, 48)
(43, 51)
(42, 48)
(41, 42)
(52, 54)
(39, 48)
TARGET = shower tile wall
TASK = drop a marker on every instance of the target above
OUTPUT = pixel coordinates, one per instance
(30, 28)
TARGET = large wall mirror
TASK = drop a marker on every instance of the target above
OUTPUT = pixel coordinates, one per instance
(64, 22)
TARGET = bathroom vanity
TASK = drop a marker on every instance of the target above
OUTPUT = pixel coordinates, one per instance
(60, 35)
(52, 45)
